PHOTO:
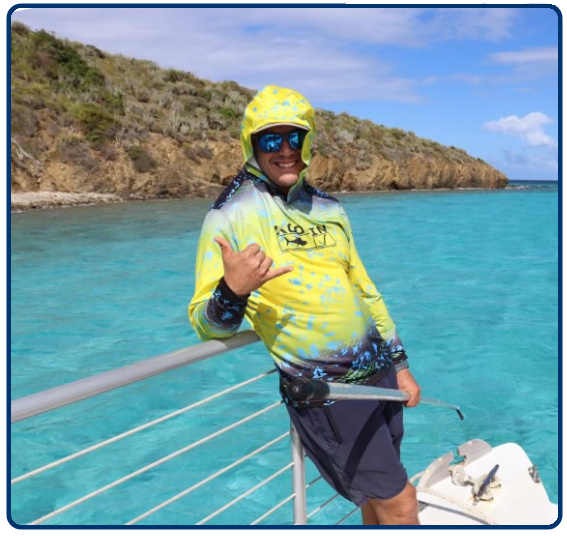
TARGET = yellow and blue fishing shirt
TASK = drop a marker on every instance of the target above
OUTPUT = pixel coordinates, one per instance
(325, 319)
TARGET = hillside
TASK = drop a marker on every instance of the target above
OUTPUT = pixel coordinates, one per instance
(90, 125)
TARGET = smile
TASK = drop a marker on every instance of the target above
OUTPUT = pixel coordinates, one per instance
(286, 164)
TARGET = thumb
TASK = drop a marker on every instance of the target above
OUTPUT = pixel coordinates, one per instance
(224, 244)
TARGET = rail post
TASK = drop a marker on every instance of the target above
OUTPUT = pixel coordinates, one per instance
(298, 480)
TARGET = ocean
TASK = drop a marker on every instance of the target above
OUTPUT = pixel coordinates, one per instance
(470, 277)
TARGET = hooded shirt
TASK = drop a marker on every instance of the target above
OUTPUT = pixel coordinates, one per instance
(325, 319)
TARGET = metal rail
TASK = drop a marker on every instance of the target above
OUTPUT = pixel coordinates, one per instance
(51, 399)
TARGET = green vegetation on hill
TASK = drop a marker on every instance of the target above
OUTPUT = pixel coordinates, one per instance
(108, 96)
(83, 120)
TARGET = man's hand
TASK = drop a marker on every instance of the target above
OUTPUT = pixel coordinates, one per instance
(248, 270)
(407, 383)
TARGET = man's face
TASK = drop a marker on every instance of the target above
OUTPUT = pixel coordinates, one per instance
(282, 167)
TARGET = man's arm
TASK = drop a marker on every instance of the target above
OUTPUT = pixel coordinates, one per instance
(367, 290)
(215, 311)
(225, 277)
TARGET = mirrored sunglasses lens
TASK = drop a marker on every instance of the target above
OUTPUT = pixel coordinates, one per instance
(294, 140)
(270, 143)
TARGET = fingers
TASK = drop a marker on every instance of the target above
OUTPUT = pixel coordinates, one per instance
(253, 255)
(268, 274)
(260, 258)
(407, 383)
(251, 265)
(256, 255)
(265, 265)
(409, 403)
(415, 398)
(277, 272)
(252, 249)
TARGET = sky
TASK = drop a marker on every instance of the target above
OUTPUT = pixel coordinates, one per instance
(484, 79)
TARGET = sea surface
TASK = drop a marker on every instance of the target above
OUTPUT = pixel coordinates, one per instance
(470, 278)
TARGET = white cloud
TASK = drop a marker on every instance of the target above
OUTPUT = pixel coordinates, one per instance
(518, 67)
(485, 24)
(528, 64)
(536, 162)
(528, 128)
(323, 51)
(528, 56)
(540, 152)
(396, 26)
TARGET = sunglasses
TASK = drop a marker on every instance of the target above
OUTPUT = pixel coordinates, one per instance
(272, 143)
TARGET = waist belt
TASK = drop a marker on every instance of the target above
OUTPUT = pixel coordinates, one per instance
(286, 380)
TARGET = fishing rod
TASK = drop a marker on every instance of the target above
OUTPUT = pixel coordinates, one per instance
(304, 390)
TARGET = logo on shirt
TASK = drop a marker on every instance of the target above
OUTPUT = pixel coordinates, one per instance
(295, 237)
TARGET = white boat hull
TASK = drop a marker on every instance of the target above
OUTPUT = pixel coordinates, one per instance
(520, 499)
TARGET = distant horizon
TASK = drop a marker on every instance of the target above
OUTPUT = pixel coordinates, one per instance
(533, 180)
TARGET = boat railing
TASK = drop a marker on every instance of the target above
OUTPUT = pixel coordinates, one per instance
(57, 397)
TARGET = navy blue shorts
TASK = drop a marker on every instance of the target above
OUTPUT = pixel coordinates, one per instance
(355, 444)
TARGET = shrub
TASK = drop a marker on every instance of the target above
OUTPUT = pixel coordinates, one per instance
(113, 100)
(191, 153)
(71, 150)
(67, 60)
(23, 121)
(142, 160)
(174, 75)
(344, 137)
(398, 133)
(196, 153)
(230, 114)
(98, 124)
(19, 28)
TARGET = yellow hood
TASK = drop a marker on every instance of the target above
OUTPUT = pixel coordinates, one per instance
(276, 105)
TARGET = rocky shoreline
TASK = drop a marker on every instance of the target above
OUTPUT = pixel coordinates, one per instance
(25, 201)
(37, 200)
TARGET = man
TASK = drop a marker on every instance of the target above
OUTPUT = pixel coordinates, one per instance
(281, 253)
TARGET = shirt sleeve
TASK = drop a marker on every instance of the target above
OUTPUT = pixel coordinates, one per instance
(215, 311)
(373, 299)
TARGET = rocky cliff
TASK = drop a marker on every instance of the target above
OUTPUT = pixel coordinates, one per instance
(100, 128)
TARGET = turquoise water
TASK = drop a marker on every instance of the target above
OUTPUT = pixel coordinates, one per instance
(470, 278)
